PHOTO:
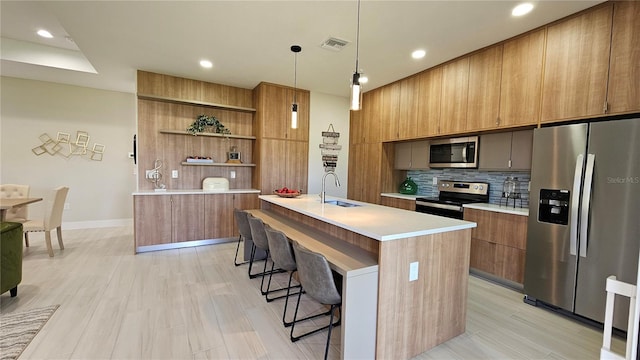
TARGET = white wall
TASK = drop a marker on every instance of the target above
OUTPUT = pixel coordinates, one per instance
(325, 110)
(100, 191)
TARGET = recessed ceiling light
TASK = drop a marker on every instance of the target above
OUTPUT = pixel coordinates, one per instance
(45, 34)
(418, 54)
(522, 9)
(206, 64)
(363, 79)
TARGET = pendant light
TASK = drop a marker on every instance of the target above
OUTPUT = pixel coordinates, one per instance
(294, 106)
(356, 90)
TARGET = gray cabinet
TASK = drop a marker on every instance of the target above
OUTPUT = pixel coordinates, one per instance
(412, 155)
(506, 151)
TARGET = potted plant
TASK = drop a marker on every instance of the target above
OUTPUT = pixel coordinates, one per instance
(203, 122)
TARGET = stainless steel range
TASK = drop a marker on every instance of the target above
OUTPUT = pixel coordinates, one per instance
(452, 195)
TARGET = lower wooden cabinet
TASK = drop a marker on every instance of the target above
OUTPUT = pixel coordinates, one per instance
(174, 218)
(498, 244)
(398, 203)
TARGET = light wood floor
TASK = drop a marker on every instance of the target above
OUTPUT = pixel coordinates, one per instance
(194, 304)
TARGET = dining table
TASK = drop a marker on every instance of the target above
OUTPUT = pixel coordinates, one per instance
(6, 204)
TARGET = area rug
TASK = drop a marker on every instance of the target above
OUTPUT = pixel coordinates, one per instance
(18, 329)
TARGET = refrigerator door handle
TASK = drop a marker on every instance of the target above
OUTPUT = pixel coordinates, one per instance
(575, 200)
(586, 204)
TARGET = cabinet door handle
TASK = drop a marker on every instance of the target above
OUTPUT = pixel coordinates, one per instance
(605, 107)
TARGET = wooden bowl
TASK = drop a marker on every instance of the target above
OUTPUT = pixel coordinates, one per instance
(288, 195)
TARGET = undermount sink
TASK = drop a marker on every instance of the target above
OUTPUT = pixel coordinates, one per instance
(341, 203)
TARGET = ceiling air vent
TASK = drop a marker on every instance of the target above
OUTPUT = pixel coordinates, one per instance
(334, 44)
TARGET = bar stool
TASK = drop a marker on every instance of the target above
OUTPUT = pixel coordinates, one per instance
(260, 242)
(243, 229)
(318, 282)
(282, 255)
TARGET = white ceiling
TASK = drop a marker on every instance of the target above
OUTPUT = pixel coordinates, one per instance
(249, 41)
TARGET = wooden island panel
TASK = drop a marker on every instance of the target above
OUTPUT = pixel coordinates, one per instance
(418, 315)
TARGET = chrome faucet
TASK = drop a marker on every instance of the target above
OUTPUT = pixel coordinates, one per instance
(322, 194)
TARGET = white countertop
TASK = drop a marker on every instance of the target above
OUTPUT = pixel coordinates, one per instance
(196, 192)
(498, 208)
(378, 222)
(400, 196)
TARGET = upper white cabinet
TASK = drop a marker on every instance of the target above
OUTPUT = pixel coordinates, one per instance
(506, 151)
(412, 155)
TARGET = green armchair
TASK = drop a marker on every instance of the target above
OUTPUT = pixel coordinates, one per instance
(10, 257)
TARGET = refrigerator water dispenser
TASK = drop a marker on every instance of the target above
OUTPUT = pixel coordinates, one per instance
(554, 206)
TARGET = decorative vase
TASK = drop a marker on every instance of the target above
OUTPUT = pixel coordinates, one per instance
(408, 187)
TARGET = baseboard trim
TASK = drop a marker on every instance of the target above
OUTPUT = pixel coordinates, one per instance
(184, 244)
(75, 225)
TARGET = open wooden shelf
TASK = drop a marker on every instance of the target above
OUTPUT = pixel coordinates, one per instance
(217, 164)
(230, 136)
(194, 102)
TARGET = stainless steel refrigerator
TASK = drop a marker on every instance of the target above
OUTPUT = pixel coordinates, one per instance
(584, 220)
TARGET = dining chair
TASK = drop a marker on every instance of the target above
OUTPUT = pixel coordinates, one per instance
(319, 283)
(52, 219)
(15, 191)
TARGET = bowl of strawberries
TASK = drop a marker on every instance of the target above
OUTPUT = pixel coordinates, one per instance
(286, 192)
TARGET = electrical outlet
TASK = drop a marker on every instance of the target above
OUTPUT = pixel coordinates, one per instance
(435, 180)
(232, 174)
(413, 271)
(174, 174)
(67, 206)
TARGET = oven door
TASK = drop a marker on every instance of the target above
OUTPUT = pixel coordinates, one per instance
(450, 211)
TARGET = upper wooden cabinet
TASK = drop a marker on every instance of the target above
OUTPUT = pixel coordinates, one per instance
(506, 151)
(521, 81)
(355, 127)
(412, 155)
(408, 121)
(364, 172)
(429, 96)
(455, 91)
(624, 70)
(485, 70)
(370, 117)
(282, 163)
(390, 111)
(577, 65)
(273, 112)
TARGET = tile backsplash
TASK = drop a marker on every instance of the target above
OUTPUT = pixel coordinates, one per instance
(424, 180)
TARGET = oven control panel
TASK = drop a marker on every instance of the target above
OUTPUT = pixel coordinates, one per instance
(463, 187)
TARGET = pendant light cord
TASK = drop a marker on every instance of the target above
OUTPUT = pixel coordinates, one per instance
(358, 37)
(295, 77)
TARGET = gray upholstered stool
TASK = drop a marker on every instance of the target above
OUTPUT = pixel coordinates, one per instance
(243, 229)
(318, 282)
(282, 256)
(260, 242)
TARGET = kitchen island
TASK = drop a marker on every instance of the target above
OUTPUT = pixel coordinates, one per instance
(422, 274)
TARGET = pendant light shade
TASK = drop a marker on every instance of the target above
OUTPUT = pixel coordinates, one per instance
(356, 93)
(294, 116)
(294, 106)
(356, 90)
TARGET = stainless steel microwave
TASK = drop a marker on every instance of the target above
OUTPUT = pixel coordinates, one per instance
(454, 153)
